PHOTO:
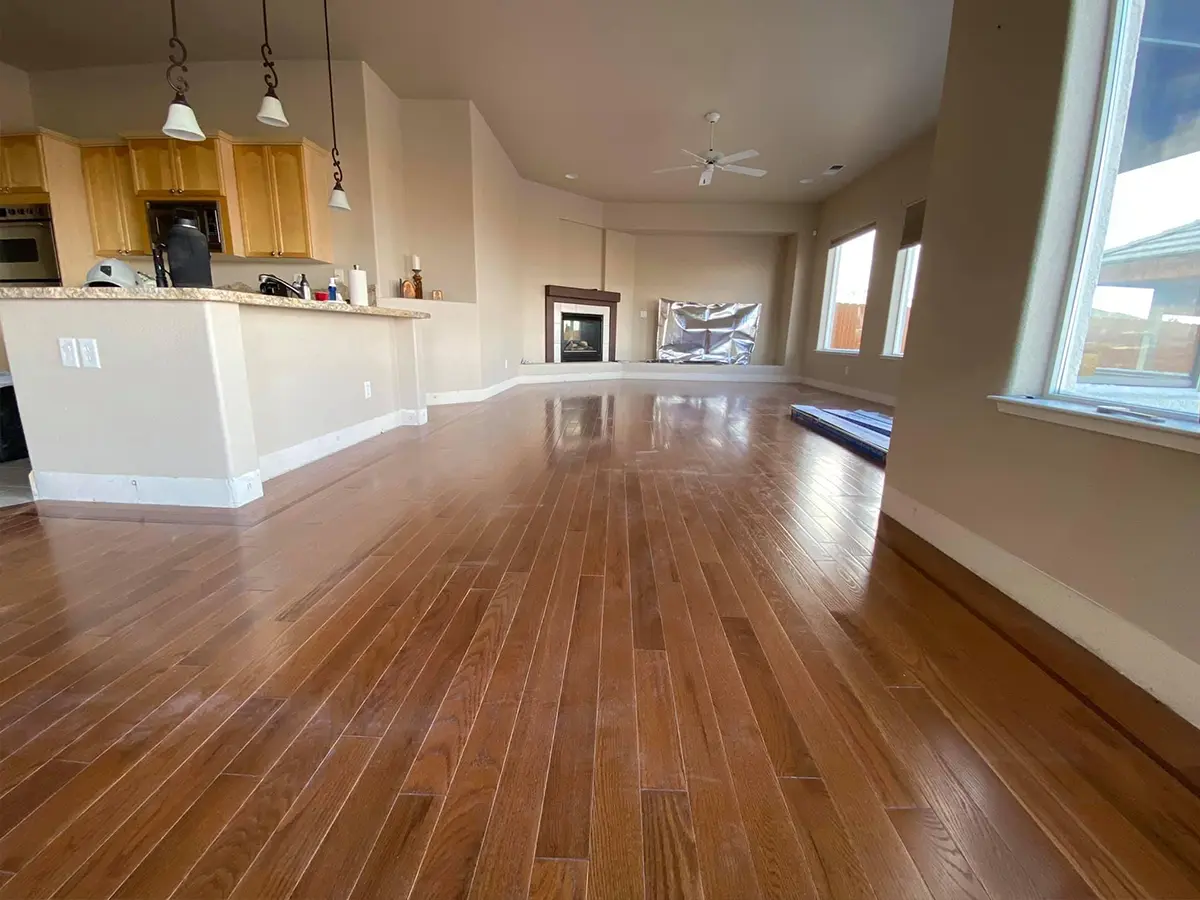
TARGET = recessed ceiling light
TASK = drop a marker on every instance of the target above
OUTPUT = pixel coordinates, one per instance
(807, 180)
(572, 176)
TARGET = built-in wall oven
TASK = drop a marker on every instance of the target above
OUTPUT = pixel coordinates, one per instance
(27, 245)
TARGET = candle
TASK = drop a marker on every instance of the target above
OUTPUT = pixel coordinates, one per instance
(416, 261)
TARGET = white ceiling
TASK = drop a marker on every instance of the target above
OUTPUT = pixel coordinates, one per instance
(609, 89)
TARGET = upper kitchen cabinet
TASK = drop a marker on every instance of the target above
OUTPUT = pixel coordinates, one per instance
(117, 218)
(167, 166)
(282, 194)
(22, 170)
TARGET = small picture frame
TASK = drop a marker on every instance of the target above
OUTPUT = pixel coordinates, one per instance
(436, 295)
(408, 290)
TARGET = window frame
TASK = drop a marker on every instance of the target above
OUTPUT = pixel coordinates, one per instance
(825, 329)
(1111, 120)
(908, 264)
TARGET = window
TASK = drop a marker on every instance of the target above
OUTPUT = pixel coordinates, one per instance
(847, 279)
(1131, 335)
(904, 284)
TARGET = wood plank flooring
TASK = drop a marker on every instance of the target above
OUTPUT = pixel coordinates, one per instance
(611, 640)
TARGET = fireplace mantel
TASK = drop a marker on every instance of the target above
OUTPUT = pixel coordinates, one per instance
(605, 301)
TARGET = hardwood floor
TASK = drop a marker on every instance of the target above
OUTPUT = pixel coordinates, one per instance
(608, 640)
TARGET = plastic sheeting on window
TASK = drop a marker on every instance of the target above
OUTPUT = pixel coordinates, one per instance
(721, 333)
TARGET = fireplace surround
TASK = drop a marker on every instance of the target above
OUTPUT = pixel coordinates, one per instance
(589, 313)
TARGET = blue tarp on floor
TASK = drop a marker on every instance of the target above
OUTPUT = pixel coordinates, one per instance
(865, 432)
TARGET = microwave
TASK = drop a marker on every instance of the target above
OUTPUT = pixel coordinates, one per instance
(160, 216)
(27, 254)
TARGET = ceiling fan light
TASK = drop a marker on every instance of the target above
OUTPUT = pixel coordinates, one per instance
(181, 121)
(270, 112)
(338, 198)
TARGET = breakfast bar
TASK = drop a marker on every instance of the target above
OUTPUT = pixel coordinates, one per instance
(195, 396)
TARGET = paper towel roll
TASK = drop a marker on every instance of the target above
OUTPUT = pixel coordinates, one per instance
(358, 287)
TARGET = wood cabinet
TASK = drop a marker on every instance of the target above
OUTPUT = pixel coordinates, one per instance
(168, 166)
(283, 210)
(22, 170)
(117, 216)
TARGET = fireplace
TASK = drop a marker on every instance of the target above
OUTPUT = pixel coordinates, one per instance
(582, 337)
(581, 324)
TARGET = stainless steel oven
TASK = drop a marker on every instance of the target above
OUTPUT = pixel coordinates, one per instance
(27, 245)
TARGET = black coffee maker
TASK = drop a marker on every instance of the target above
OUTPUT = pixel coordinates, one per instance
(187, 252)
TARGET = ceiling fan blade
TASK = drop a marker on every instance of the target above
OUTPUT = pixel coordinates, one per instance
(706, 176)
(674, 169)
(695, 156)
(744, 170)
(738, 157)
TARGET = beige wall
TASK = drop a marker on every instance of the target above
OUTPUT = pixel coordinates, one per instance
(722, 218)
(115, 420)
(1113, 519)
(620, 275)
(104, 102)
(16, 101)
(497, 190)
(580, 254)
(706, 269)
(449, 341)
(306, 373)
(878, 198)
(544, 210)
(438, 194)
(384, 118)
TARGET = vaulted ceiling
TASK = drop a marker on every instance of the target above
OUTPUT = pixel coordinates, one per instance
(607, 89)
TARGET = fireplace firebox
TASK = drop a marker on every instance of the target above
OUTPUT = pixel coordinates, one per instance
(582, 338)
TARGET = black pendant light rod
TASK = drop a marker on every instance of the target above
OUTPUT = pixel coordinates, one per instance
(337, 163)
(271, 78)
(177, 68)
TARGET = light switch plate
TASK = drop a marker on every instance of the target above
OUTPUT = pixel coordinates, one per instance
(644, 314)
(89, 353)
(68, 352)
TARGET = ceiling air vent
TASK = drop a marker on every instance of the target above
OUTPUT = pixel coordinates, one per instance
(833, 170)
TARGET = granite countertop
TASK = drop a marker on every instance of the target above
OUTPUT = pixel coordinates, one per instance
(207, 295)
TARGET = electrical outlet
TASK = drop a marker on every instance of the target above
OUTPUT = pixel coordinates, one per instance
(339, 275)
(846, 371)
(367, 390)
(68, 352)
(89, 353)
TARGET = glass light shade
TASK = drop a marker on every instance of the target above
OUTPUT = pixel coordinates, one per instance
(338, 198)
(181, 121)
(271, 111)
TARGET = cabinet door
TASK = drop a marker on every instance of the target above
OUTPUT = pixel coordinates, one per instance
(23, 171)
(291, 200)
(153, 165)
(199, 170)
(252, 167)
(105, 206)
(133, 210)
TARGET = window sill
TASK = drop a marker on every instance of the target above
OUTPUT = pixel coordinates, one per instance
(838, 352)
(891, 355)
(1178, 435)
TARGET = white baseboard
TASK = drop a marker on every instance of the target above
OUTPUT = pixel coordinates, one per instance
(1141, 657)
(272, 465)
(835, 388)
(153, 490)
(475, 395)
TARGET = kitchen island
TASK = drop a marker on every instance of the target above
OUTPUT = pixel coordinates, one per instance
(195, 397)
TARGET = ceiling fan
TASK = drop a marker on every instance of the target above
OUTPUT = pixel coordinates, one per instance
(710, 162)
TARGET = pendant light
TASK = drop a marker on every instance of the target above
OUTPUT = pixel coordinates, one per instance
(181, 120)
(337, 197)
(271, 110)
